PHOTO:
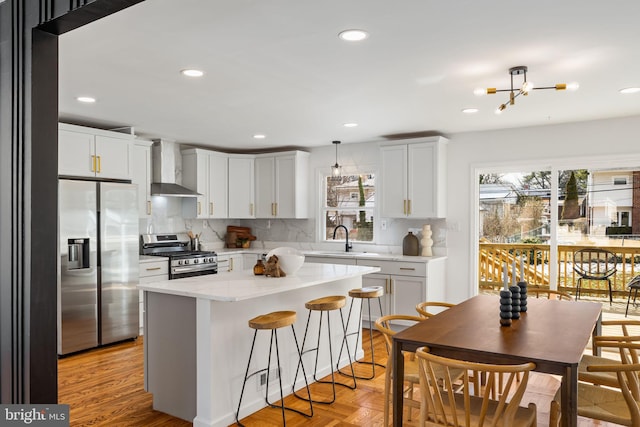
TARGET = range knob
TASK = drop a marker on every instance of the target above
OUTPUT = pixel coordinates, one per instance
(179, 262)
(186, 261)
(211, 259)
(195, 261)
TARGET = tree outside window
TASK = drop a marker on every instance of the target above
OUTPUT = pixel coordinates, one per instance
(350, 201)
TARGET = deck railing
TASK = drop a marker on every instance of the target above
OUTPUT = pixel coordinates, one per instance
(535, 260)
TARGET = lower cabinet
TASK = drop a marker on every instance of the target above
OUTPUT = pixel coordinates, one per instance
(230, 262)
(405, 283)
(156, 270)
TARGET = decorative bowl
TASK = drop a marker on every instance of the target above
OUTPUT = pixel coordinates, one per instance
(290, 259)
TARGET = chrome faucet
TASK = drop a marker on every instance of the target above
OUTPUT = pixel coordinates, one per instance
(347, 246)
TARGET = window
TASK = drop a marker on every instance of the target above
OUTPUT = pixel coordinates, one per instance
(350, 201)
(624, 219)
(619, 180)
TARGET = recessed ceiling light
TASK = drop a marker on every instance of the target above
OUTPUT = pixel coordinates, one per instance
(259, 136)
(353, 35)
(470, 110)
(630, 90)
(192, 73)
(350, 125)
(86, 99)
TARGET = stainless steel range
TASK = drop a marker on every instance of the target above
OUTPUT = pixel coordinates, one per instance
(183, 262)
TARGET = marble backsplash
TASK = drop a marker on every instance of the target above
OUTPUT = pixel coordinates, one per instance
(301, 233)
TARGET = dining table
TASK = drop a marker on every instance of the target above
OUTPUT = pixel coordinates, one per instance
(553, 334)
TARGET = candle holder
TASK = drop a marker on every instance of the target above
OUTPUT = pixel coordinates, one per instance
(523, 296)
(515, 301)
(505, 308)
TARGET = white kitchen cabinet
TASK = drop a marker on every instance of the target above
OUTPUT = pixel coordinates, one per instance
(156, 270)
(249, 260)
(230, 262)
(95, 153)
(206, 172)
(141, 175)
(282, 185)
(241, 186)
(413, 179)
(406, 283)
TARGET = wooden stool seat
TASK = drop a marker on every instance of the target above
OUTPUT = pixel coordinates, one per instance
(274, 320)
(369, 292)
(333, 302)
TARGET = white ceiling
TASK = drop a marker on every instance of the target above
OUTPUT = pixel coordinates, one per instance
(277, 67)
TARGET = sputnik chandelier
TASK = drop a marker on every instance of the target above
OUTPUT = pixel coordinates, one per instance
(524, 89)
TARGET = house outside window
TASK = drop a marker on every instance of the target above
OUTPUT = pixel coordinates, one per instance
(349, 200)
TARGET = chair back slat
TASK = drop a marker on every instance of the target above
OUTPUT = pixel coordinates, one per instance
(446, 402)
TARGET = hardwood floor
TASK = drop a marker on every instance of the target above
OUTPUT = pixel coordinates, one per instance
(105, 387)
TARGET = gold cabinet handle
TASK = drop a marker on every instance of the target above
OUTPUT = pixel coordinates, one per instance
(251, 209)
(99, 164)
(391, 286)
(276, 211)
(211, 208)
(199, 208)
(230, 264)
(148, 207)
(409, 207)
(407, 268)
(153, 268)
(93, 163)
(404, 206)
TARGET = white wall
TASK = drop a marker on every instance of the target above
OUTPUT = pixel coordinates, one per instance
(603, 143)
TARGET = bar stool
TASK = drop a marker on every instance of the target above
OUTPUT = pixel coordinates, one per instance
(273, 321)
(324, 305)
(367, 293)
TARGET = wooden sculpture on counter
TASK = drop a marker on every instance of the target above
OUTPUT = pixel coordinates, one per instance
(272, 267)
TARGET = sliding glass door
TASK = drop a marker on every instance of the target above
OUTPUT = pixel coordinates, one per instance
(532, 221)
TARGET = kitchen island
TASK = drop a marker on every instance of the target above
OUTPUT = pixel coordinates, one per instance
(197, 338)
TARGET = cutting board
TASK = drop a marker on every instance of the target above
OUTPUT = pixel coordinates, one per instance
(240, 233)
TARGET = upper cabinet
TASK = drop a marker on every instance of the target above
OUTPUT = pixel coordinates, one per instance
(241, 186)
(95, 153)
(281, 184)
(413, 179)
(206, 172)
(141, 175)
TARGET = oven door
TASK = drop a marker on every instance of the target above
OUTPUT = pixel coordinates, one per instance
(180, 272)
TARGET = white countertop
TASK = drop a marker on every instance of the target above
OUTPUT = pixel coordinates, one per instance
(337, 254)
(243, 285)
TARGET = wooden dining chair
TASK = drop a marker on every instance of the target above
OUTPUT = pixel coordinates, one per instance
(607, 378)
(411, 378)
(548, 293)
(423, 307)
(448, 406)
(619, 404)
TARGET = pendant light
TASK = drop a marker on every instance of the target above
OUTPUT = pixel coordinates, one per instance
(336, 170)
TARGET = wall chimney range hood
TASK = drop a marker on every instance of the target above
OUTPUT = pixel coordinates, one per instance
(164, 171)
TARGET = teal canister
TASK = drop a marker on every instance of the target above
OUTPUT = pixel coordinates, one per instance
(410, 245)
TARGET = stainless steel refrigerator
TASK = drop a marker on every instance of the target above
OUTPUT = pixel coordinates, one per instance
(97, 264)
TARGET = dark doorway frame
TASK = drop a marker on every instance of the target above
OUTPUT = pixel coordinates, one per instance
(29, 31)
